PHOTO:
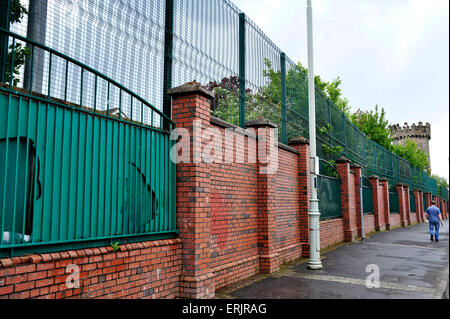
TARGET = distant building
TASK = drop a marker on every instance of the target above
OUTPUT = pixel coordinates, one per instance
(421, 134)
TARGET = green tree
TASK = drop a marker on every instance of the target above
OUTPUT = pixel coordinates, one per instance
(374, 124)
(16, 13)
(412, 153)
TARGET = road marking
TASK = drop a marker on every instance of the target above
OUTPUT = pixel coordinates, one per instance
(361, 282)
(402, 245)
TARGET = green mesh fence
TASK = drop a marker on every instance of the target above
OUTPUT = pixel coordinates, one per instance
(148, 46)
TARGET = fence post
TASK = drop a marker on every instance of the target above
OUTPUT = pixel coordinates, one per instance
(242, 69)
(4, 23)
(284, 137)
(168, 58)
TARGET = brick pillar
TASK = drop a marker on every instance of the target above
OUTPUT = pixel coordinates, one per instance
(385, 201)
(401, 204)
(444, 209)
(378, 205)
(428, 200)
(267, 245)
(438, 202)
(407, 204)
(348, 199)
(418, 201)
(357, 171)
(191, 103)
(301, 144)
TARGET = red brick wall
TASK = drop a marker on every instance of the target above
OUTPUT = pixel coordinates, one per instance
(287, 207)
(234, 220)
(141, 270)
(331, 232)
(234, 215)
(395, 220)
(369, 223)
(413, 218)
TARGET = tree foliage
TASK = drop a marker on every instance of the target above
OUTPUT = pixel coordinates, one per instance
(18, 51)
(374, 125)
(411, 152)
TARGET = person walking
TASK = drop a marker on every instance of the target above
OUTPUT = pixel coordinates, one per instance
(434, 218)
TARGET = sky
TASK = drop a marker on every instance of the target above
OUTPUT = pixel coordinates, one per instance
(394, 53)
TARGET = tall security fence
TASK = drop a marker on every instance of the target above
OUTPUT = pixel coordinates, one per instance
(124, 55)
(84, 160)
(150, 46)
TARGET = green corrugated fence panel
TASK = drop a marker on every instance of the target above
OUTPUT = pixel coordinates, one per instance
(393, 202)
(412, 202)
(329, 192)
(90, 177)
(367, 196)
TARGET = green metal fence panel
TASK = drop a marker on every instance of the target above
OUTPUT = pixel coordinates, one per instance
(80, 172)
(412, 202)
(367, 196)
(69, 176)
(329, 193)
(393, 201)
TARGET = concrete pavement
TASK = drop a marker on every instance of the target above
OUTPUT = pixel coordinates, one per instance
(410, 266)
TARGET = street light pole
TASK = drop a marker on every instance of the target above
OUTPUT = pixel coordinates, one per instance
(314, 262)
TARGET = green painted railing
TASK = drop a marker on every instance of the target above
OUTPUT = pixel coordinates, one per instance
(393, 201)
(329, 193)
(412, 202)
(367, 196)
(71, 171)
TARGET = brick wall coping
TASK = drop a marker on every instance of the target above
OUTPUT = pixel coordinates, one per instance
(342, 160)
(189, 89)
(288, 148)
(48, 257)
(355, 165)
(260, 122)
(374, 177)
(239, 130)
(216, 121)
(299, 140)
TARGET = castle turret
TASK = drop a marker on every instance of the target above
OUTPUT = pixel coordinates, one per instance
(421, 134)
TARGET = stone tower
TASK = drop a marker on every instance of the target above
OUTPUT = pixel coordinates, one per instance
(421, 134)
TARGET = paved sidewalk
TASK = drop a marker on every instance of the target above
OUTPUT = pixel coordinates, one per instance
(410, 267)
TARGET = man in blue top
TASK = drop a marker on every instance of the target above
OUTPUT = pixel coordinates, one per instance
(434, 218)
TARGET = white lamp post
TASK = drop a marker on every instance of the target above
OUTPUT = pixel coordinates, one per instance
(314, 262)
